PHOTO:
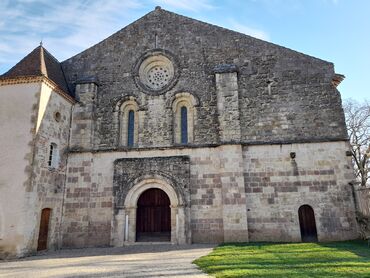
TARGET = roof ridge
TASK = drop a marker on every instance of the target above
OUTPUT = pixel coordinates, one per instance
(50, 55)
(43, 69)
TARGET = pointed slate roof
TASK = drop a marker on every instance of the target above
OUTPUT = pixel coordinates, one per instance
(39, 63)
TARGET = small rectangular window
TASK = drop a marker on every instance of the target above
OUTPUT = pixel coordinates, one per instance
(53, 156)
(50, 162)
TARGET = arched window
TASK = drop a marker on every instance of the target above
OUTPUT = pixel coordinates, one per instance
(128, 124)
(130, 128)
(184, 125)
(184, 116)
(53, 156)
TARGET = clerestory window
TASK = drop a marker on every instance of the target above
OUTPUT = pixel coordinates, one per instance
(184, 125)
(184, 116)
(129, 124)
(130, 128)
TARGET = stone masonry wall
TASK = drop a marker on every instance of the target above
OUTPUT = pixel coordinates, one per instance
(88, 209)
(228, 106)
(48, 182)
(236, 194)
(277, 185)
(83, 117)
(284, 96)
(130, 170)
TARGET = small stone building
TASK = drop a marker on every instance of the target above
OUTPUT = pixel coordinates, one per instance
(172, 130)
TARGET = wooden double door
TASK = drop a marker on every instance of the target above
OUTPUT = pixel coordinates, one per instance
(153, 216)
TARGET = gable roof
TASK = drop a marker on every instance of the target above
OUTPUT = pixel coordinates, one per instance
(39, 63)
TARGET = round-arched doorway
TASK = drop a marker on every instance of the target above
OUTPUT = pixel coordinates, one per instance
(307, 224)
(153, 216)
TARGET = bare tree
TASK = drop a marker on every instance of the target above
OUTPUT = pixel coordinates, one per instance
(358, 127)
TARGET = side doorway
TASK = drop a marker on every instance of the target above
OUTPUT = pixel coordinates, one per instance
(307, 224)
(42, 243)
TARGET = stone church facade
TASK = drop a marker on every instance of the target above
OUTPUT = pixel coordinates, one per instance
(172, 130)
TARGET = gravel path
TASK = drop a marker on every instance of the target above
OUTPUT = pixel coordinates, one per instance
(156, 260)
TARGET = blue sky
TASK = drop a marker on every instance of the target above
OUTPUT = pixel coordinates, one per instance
(334, 30)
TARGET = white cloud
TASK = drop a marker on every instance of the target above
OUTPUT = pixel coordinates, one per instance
(189, 5)
(257, 33)
(66, 27)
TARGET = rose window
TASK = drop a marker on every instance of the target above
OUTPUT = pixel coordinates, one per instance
(158, 77)
(156, 72)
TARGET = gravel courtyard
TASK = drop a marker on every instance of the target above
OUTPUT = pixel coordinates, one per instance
(131, 261)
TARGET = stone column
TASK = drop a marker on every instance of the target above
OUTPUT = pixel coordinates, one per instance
(83, 116)
(119, 228)
(130, 233)
(228, 102)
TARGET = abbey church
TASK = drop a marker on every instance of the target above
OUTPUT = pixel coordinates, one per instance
(172, 130)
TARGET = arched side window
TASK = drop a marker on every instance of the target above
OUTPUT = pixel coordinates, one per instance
(131, 128)
(129, 124)
(184, 117)
(184, 125)
(53, 159)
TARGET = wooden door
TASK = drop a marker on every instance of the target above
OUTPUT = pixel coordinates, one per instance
(307, 224)
(44, 229)
(153, 213)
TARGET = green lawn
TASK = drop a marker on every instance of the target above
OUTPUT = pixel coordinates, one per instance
(336, 259)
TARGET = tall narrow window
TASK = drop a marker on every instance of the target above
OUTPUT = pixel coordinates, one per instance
(53, 156)
(184, 125)
(130, 128)
(128, 117)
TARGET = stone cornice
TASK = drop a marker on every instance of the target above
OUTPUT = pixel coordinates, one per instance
(34, 79)
(198, 146)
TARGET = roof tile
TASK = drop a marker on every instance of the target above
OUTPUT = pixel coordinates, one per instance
(39, 63)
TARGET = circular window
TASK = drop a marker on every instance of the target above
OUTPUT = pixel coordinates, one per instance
(155, 72)
(57, 116)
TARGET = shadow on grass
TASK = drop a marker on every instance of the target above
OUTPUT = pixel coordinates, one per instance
(335, 259)
(359, 247)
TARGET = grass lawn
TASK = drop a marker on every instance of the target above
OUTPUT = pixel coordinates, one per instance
(335, 259)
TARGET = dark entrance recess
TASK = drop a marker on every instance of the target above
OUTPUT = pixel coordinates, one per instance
(307, 223)
(42, 243)
(153, 218)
